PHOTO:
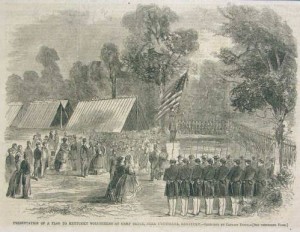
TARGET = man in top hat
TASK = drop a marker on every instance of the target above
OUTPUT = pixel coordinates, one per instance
(216, 161)
(234, 177)
(29, 153)
(84, 158)
(37, 155)
(154, 165)
(221, 185)
(197, 186)
(208, 183)
(171, 190)
(184, 179)
(260, 179)
(248, 182)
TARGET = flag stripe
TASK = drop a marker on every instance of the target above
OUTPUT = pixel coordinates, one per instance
(167, 110)
(175, 95)
(169, 106)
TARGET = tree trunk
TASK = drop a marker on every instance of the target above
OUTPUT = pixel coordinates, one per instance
(279, 146)
(162, 89)
(114, 87)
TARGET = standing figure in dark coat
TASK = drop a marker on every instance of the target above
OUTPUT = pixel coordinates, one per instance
(184, 180)
(37, 160)
(221, 185)
(208, 183)
(197, 186)
(234, 177)
(153, 159)
(171, 191)
(192, 161)
(260, 179)
(112, 164)
(28, 151)
(162, 162)
(119, 172)
(204, 161)
(84, 158)
(172, 126)
(25, 172)
(10, 165)
(74, 150)
(248, 182)
(270, 168)
(62, 157)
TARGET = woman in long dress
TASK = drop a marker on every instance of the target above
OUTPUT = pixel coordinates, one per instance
(127, 186)
(15, 184)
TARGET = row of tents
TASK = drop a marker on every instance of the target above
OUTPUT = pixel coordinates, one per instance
(105, 115)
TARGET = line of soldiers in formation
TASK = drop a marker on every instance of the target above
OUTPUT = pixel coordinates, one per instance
(216, 178)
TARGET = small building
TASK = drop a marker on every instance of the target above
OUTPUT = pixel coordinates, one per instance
(46, 114)
(108, 115)
(14, 114)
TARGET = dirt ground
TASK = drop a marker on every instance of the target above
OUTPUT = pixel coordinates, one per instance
(72, 195)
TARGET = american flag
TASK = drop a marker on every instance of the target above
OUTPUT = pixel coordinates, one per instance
(171, 97)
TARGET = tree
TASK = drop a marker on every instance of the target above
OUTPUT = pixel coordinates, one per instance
(51, 79)
(14, 88)
(264, 59)
(152, 51)
(110, 57)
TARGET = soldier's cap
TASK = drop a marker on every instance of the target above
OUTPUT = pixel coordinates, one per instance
(248, 161)
(237, 161)
(185, 160)
(172, 161)
(216, 157)
(261, 161)
(120, 159)
(198, 160)
(179, 157)
(210, 161)
(44, 143)
(191, 157)
(64, 139)
(228, 156)
(222, 161)
(14, 144)
(203, 157)
(84, 140)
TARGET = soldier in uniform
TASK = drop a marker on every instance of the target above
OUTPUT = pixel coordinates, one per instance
(248, 182)
(234, 177)
(229, 162)
(208, 184)
(221, 185)
(192, 162)
(242, 162)
(216, 161)
(29, 153)
(171, 191)
(179, 161)
(184, 179)
(84, 157)
(197, 186)
(254, 162)
(74, 153)
(204, 161)
(270, 168)
(260, 179)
